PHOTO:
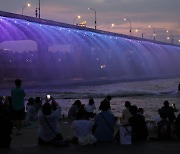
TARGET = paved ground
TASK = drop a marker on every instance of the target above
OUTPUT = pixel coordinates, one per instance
(27, 144)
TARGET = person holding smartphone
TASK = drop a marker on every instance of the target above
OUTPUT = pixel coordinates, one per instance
(49, 130)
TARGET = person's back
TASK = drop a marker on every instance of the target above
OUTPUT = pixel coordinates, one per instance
(74, 109)
(139, 128)
(18, 95)
(48, 123)
(169, 111)
(18, 107)
(126, 114)
(164, 129)
(104, 123)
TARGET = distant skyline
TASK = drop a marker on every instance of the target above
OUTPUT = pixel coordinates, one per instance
(161, 14)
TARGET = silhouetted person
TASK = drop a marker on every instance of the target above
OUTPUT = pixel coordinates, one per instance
(74, 109)
(104, 123)
(164, 129)
(126, 114)
(90, 107)
(177, 126)
(5, 128)
(137, 121)
(38, 103)
(169, 111)
(18, 107)
(49, 130)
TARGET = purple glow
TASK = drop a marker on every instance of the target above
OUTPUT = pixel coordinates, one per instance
(33, 51)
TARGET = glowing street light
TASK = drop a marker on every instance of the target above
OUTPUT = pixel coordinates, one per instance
(78, 17)
(172, 39)
(154, 34)
(112, 25)
(27, 5)
(136, 30)
(95, 22)
(125, 19)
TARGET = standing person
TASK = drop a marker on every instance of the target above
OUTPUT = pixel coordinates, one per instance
(18, 107)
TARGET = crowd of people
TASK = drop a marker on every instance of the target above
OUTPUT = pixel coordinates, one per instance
(88, 125)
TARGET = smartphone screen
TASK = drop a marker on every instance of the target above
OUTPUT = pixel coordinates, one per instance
(48, 96)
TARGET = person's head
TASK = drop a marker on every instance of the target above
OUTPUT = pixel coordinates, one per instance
(81, 114)
(91, 101)
(46, 109)
(104, 106)
(127, 104)
(31, 101)
(108, 97)
(166, 103)
(18, 83)
(133, 109)
(77, 103)
(141, 110)
(38, 100)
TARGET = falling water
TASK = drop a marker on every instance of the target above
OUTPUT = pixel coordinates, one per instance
(37, 51)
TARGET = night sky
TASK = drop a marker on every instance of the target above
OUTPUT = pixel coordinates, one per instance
(161, 14)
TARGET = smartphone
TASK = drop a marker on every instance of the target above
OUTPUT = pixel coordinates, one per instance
(48, 96)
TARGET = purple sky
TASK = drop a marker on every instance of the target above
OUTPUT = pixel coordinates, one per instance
(161, 14)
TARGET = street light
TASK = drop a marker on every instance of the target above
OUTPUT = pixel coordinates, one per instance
(94, 15)
(172, 39)
(78, 17)
(154, 34)
(142, 35)
(112, 25)
(27, 5)
(129, 23)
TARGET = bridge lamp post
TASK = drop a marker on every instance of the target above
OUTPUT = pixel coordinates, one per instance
(154, 32)
(27, 5)
(112, 25)
(95, 22)
(125, 19)
(171, 36)
(78, 17)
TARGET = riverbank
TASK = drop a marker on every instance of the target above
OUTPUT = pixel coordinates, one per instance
(27, 144)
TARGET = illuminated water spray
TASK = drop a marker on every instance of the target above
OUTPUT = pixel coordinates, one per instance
(50, 52)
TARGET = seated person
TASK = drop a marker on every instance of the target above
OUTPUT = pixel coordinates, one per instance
(74, 109)
(126, 114)
(82, 128)
(30, 108)
(49, 130)
(177, 126)
(163, 127)
(137, 121)
(104, 123)
(90, 107)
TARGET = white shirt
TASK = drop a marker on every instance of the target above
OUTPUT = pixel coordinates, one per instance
(82, 127)
(45, 132)
(90, 108)
(125, 117)
(82, 130)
